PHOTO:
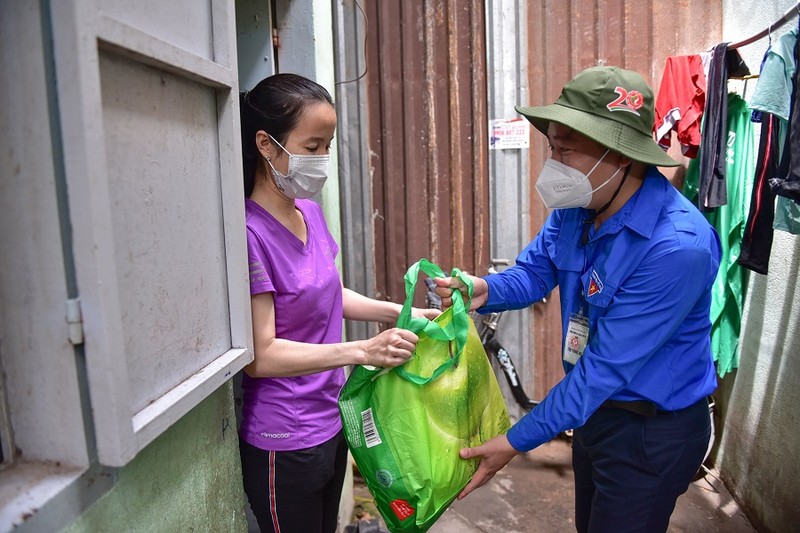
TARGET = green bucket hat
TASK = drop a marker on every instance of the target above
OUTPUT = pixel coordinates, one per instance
(611, 106)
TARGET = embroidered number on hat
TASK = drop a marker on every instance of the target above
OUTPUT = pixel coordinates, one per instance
(627, 101)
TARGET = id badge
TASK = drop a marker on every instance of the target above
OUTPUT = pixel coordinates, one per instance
(577, 337)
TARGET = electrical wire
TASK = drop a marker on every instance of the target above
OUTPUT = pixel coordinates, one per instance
(366, 28)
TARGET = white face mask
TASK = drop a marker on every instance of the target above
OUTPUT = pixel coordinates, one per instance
(305, 176)
(561, 186)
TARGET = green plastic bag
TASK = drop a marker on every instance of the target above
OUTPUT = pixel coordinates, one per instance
(405, 426)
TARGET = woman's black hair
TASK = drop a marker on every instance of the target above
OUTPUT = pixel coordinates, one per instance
(274, 106)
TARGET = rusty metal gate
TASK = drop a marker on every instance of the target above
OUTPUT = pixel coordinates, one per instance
(427, 102)
(428, 146)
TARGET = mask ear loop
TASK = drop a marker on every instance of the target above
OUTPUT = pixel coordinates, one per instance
(279, 144)
(589, 221)
(598, 162)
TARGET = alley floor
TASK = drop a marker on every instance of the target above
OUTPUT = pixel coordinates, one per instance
(534, 494)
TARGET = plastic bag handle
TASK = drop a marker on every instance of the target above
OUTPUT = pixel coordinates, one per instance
(456, 331)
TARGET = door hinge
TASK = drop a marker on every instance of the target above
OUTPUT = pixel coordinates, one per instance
(276, 39)
(74, 321)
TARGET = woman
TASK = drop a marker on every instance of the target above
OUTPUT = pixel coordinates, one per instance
(293, 452)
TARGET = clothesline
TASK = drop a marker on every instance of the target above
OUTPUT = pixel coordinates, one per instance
(768, 30)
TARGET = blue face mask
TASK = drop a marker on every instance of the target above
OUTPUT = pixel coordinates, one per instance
(305, 176)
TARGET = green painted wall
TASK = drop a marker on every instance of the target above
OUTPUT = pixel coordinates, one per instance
(188, 479)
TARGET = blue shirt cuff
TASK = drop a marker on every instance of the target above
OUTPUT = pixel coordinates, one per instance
(494, 301)
(514, 438)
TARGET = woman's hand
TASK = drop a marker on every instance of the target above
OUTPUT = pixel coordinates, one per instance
(445, 287)
(389, 348)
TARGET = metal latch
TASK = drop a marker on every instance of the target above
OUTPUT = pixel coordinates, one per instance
(74, 321)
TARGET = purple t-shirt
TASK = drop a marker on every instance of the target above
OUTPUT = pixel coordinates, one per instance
(296, 412)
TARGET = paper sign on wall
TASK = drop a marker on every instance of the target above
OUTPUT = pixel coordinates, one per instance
(507, 134)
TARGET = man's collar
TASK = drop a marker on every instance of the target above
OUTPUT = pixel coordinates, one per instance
(642, 211)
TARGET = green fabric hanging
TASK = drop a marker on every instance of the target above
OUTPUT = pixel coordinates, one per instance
(729, 221)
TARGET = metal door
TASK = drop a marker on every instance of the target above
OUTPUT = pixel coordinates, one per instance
(149, 109)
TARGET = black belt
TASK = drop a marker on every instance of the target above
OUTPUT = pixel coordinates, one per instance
(640, 407)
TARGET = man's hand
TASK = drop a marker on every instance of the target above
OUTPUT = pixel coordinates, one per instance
(494, 455)
(445, 287)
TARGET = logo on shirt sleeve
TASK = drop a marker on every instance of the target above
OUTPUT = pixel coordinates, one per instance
(257, 272)
(595, 285)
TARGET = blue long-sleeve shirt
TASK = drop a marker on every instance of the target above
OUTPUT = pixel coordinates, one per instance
(644, 280)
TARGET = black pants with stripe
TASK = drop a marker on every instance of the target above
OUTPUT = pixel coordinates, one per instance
(296, 491)
(757, 239)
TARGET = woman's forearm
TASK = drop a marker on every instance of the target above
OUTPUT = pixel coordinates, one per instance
(359, 307)
(283, 358)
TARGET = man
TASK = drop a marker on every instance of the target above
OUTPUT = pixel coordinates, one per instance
(635, 263)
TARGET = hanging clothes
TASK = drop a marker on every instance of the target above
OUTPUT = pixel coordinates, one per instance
(787, 183)
(755, 114)
(729, 221)
(773, 94)
(787, 216)
(757, 240)
(712, 191)
(680, 102)
(787, 208)
(773, 91)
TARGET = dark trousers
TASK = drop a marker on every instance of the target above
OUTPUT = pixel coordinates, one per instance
(296, 491)
(630, 469)
(758, 233)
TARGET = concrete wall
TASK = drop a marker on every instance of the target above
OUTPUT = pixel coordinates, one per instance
(188, 479)
(759, 452)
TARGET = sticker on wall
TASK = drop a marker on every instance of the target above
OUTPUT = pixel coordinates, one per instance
(508, 134)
